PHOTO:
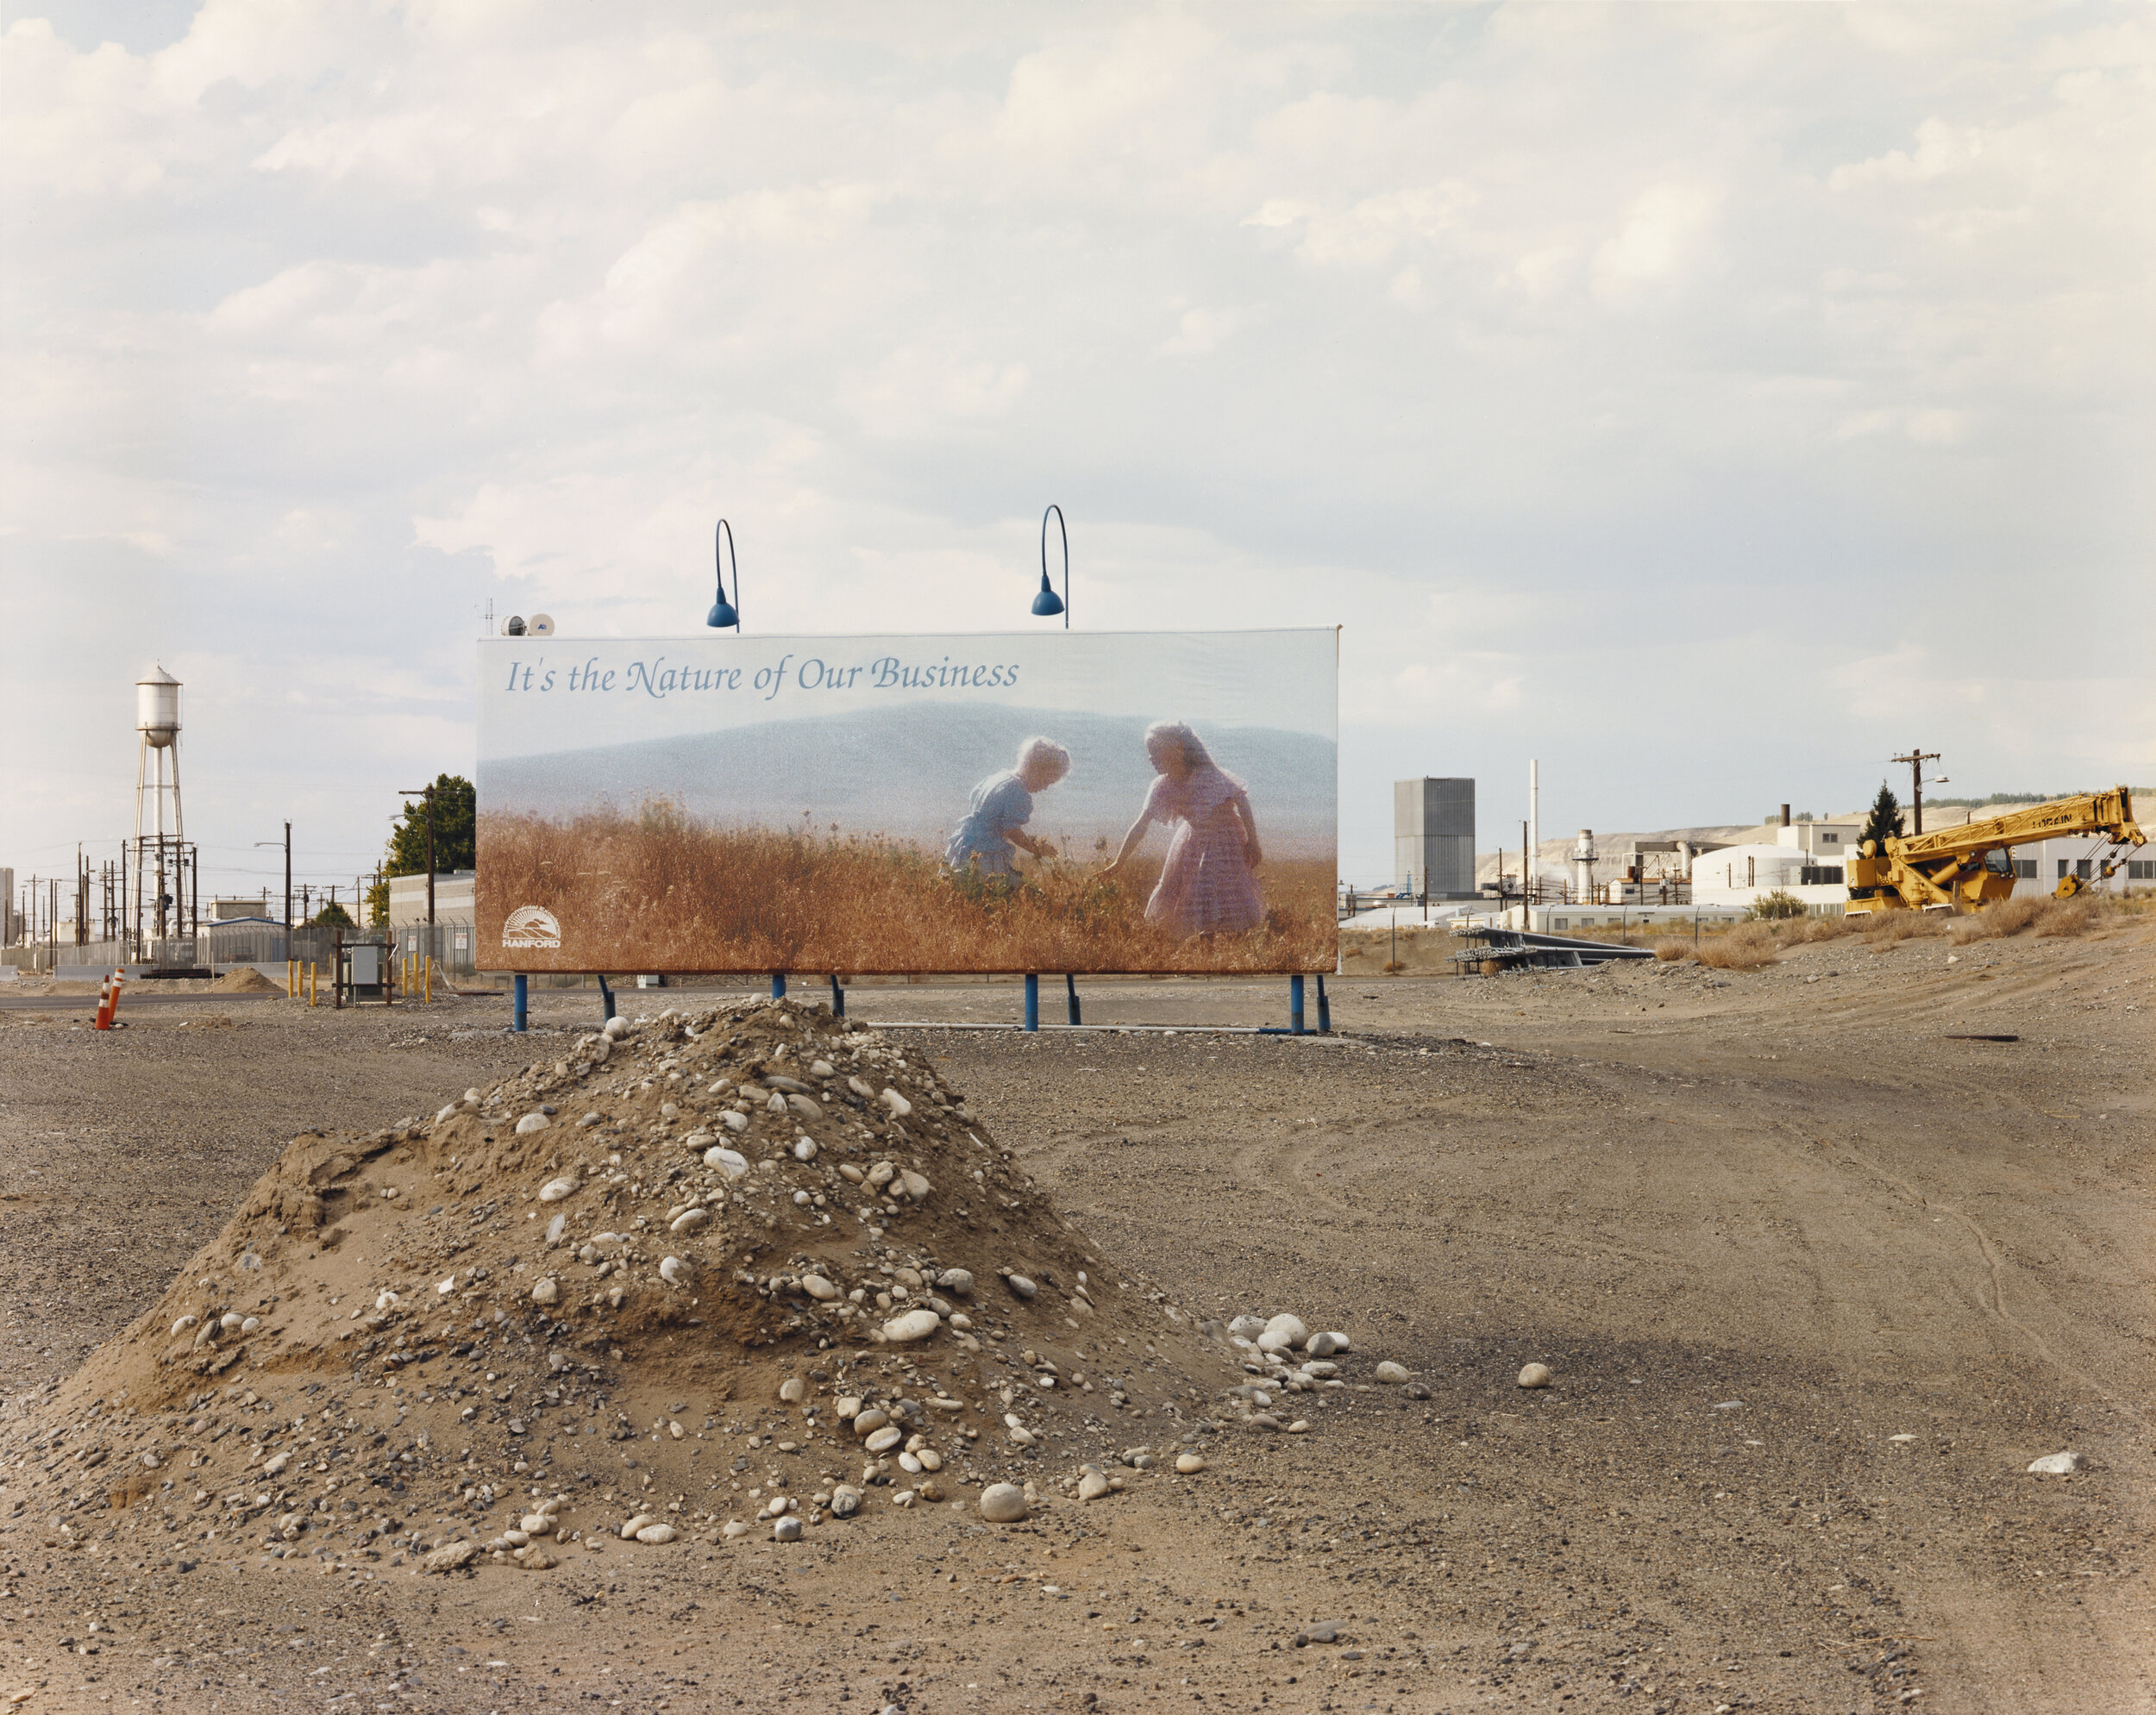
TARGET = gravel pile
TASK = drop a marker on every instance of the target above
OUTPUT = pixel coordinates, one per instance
(718, 1274)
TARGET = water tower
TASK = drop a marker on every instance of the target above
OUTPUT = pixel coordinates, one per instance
(160, 851)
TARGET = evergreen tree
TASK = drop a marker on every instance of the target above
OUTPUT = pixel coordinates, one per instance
(456, 831)
(332, 916)
(1884, 820)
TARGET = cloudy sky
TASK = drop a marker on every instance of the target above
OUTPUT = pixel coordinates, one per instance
(1711, 401)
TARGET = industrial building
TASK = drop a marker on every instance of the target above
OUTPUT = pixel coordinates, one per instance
(1434, 838)
(456, 914)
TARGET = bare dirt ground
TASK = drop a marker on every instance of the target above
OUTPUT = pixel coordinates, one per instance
(1817, 1282)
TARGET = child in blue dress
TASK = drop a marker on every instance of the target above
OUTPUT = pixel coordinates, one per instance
(1002, 805)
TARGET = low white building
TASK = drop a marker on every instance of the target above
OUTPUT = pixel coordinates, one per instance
(1739, 877)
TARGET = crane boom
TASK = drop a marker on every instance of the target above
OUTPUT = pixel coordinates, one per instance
(1964, 869)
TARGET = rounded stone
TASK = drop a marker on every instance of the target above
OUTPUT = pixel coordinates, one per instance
(2059, 1465)
(787, 1530)
(1092, 1486)
(1537, 1375)
(545, 1292)
(690, 1219)
(535, 1524)
(555, 1189)
(818, 1288)
(958, 1280)
(883, 1440)
(1003, 1503)
(1018, 1284)
(804, 1148)
(730, 1162)
(530, 1122)
(845, 1502)
(915, 1325)
(673, 1270)
(1189, 1464)
(1284, 1333)
(794, 1390)
(657, 1533)
(1390, 1372)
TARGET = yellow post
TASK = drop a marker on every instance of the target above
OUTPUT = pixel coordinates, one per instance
(311, 990)
(430, 980)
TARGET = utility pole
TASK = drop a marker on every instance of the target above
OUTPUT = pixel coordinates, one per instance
(1916, 759)
(427, 793)
(288, 875)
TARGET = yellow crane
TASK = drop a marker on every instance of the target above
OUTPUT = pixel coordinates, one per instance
(1964, 869)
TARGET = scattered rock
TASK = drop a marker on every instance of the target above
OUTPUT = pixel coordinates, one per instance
(787, 1530)
(793, 1390)
(545, 1292)
(689, 1220)
(2059, 1465)
(536, 1559)
(1092, 1486)
(1537, 1375)
(899, 1105)
(1018, 1284)
(450, 1556)
(845, 1502)
(915, 1325)
(1327, 1345)
(1390, 1372)
(530, 1122)
(1284, 1333)
(1247, 1327)
(657, 1533)
(958, 1280)
(730, 1162)
(555, 1189)
(1326, 1632)
(818, 1288)
(1003, 1503)
(1189, 1464)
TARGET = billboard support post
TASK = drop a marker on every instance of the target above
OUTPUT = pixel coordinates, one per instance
(838, 997)
(1295, 1006)
(777, 984)
(1325, 1008)
(520, 1007)
(605, 995)
(1032, 1003)
(1070, 994)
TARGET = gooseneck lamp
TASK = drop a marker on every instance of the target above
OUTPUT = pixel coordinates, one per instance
(724, 612)
(1048, 604)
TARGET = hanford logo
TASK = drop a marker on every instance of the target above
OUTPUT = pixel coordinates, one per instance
(531, 926)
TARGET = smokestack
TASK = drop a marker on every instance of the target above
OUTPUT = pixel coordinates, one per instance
(1785, 815)
(1534, 829)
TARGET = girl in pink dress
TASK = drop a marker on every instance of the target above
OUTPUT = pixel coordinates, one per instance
(1206, 887)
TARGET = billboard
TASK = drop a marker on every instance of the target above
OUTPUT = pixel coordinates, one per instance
(1072, 802)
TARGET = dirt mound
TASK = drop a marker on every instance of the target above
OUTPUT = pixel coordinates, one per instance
(668, 1278)
(245, 979)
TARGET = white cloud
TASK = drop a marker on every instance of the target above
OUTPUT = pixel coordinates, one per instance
(1576, 360)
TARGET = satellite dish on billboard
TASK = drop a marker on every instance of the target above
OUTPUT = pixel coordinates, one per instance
(539, 625)
(513, 626)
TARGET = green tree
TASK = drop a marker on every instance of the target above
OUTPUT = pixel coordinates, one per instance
(378, 905)
(1886, 818)
(332, 916)
(455, 829)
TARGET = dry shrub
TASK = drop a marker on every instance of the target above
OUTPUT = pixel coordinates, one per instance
(1745, 947)
(1669, 949)
(656, 891)
(1803, 930)
(1887, 928)
(2006, 917)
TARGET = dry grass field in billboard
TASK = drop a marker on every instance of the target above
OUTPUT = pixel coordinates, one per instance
(1052, 821)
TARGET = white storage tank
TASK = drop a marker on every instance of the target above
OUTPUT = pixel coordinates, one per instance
(157, 707)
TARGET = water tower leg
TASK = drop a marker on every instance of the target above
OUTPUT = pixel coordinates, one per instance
(1032, 1003)
(1295, 1006)
(520, 1010)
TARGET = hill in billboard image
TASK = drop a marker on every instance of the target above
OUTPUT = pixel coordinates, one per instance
(757, 822)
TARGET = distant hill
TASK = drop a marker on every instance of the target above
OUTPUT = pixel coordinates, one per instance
(907, 773)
